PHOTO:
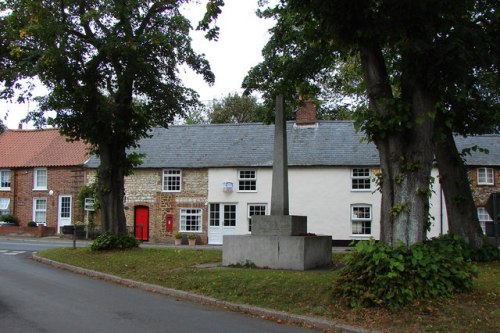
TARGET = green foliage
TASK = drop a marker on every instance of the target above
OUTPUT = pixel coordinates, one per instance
(9, 218)
(376, 274)
(192, 236)
(31, 224)
(88, 191)
(178, 235)
(237, 109)
(109, 241)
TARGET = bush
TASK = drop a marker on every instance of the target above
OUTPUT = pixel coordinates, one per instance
(31, 224)
(376, 274)
(9, 218)
(109, 241)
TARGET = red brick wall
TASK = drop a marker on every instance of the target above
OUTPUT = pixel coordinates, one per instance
(306, 113)
(60, 180)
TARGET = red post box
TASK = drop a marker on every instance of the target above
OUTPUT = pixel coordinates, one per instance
(169, 225)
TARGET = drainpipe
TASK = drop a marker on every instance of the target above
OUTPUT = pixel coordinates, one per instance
(14, 196)
(441, 207)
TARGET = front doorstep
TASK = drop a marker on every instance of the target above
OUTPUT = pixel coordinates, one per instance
(277, 252)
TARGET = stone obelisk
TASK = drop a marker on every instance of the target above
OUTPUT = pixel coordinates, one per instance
(279, 240)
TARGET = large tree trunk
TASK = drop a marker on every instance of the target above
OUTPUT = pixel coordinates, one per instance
(460, 208)
(405, 154)
(111, 186)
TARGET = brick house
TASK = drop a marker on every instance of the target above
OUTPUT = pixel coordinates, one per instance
(41, 174)
(210, 179)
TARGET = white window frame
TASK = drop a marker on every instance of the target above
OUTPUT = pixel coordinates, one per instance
(362, 220)
(246, 180)
(221, 215)
(485, 176)
(38, 185)
(170, 177)
(4, 206)
(249, 216)
(483, 217)
(37, 210)
(4, 179)
(197, 214)
(356, 177)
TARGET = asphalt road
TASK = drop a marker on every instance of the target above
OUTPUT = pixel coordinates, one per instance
(38, 298)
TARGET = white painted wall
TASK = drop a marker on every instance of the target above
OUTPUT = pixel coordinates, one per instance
(323, 194)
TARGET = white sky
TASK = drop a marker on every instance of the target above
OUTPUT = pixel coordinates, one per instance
(242, 37)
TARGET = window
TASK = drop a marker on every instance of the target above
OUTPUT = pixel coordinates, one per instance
(190, 220)
(485, 176)
(247, 181)
(4, 179)
(40, 179)
(214, 215)
(172, 180)
(224, 214)
(40, 210)
(361, 218)
(4, 206)
(483, 217)
(255, 209)
(230, 215)
(361, 178)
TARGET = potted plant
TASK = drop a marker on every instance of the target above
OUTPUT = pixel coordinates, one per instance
(178, 238)
(31, 224)
(192, 239)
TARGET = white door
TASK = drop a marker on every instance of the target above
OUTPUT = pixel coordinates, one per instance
(64, 215)
(222, 221)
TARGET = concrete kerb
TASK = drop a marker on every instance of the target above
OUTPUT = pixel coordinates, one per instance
(307, 321)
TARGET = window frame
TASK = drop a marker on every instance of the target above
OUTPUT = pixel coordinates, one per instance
(4, 209)
(36, 210)
(36, 179)
(244, 182)
(165, 186)
(362, 220)
(362, 178)
(191, 212)
(5, 179)
(489, 176)
(249, 216)
(483, 216)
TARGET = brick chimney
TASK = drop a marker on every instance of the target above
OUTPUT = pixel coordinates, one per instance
(306, 113)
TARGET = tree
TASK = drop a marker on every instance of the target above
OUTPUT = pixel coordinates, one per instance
(411, 55)
(111, 70)
(236, 108)
(2, 126)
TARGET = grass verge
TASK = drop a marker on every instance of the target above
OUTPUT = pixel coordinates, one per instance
(306, 293)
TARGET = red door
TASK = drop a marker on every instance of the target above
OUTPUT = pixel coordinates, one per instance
(141, 223)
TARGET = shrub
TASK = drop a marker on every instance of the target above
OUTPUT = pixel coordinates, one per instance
(9, 218)
(109, 241)
(178, 236)
(376, 274)
(192, 236)
(31, 224)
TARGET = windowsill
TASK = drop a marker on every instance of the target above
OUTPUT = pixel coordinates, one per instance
(485, 184)
(361, 190)
(39, 189)
(247, 191)
(171, 191)
(4, 189)
(360, 236)
(191, 232)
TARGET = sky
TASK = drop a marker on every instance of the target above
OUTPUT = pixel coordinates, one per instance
(242, 37)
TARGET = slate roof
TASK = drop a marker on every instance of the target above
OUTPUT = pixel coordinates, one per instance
(331, 143)
(39, 148)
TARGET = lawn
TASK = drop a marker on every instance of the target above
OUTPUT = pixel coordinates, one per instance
(307, 293)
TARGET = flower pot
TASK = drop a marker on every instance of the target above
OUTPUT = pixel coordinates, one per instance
(192, 242)
(178, 241)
